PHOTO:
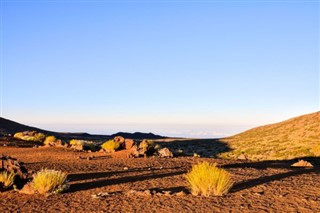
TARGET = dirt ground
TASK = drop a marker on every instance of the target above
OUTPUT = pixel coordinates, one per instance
(106, 184)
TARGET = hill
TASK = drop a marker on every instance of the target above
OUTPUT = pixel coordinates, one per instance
(138, 135)
(296, 137)
(11, 127)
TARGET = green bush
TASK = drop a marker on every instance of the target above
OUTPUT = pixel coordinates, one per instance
(110, 146)
(207, 179)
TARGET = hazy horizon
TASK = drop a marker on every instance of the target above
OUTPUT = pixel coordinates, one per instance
(181, 68)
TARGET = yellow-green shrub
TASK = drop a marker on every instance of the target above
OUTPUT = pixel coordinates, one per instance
(207, 179)
(49, 139)
(86, 145)
(49, 181)
(30, 136)
(6, 179)
(110, 146)
(75, 142)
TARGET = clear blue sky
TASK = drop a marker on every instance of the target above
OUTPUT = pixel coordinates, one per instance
(194, 69)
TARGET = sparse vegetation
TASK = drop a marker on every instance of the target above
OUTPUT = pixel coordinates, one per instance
(207, 179)
(6, 179)
(49, 140)
(294, 138)
(83, 144)
(110, 146)
(49, 181)
(30, 136)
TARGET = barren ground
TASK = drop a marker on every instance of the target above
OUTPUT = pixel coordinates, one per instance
(270, 186)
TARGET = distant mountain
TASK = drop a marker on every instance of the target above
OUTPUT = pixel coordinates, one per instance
(296, 137)
(11, 127)
(138, 135)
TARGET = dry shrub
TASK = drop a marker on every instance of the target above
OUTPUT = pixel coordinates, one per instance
(49, 181)
(110, 146)
(6, 179)
(49, 140)
(30, 136)
(207, 179)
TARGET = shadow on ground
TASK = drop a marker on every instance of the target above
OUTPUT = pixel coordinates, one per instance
(203, 147)
(276, 164)
(103, 180)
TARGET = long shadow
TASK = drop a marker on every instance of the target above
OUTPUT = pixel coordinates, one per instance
(258, 181)
(107, 182)
(273, 163)
(276, 164)
(93, 175)
(203, 147)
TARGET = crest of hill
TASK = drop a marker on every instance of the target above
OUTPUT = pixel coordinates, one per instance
(293, 138)
(138, 135)
(11, 127)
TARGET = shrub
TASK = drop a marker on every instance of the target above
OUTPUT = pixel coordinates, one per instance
(30, 136)
(6, 179)
(110, 146)
(83, 144)
(75, 142)
(49, 181)
(49, 140)
(207, 179)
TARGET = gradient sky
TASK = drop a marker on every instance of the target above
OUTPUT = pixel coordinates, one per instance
(177, 68)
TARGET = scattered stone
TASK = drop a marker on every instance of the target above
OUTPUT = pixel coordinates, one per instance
(302, 163)
(125, 168)
(165, 153)
(27, 189)
(242, 157)
(166, 193)
(180, 194)
(100, 195)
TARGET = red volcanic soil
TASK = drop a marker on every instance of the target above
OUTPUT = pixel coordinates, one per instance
(158, 185)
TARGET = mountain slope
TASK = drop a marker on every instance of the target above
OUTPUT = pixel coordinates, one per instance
(11, 127)
(296, 137)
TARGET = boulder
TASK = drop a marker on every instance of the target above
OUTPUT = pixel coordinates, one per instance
(129, 143)
(13, 165)
(120, 140)
(165, 153)
(302, 163)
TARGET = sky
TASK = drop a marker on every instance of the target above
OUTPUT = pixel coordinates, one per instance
(176, 68)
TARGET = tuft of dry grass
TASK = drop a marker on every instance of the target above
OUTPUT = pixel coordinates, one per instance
(110, 146)
(49, 181)
(207, 179)
(7, 179)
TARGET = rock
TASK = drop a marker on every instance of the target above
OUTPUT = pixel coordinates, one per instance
(180, 194)
(242, 157)
(165, 153)
(302, 163)
(119, 139)
(13, 165)
(134, 151)
(129, 143)
(27, 189)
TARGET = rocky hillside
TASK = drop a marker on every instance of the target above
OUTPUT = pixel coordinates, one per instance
(296, 137)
